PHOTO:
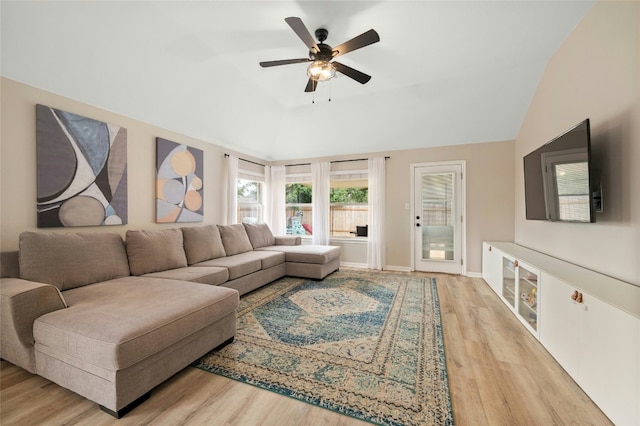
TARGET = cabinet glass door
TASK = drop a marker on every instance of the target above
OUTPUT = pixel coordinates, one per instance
(528, 297)
(509, 281)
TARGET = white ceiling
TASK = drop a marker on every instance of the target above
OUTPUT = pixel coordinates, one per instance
(444, 72)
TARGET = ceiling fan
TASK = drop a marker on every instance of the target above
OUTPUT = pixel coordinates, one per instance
(321, 55)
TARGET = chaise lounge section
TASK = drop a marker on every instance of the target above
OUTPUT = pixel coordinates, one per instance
(111, 319)
(98, 331)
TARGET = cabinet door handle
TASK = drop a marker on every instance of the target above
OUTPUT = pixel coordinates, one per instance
(577, 297)
(515, 263)
(490, 248)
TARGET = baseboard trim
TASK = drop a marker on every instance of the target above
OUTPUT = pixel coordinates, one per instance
(397, 268)
(353, 265)
(386, 268)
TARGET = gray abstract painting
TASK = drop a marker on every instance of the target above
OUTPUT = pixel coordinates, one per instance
(82, 170)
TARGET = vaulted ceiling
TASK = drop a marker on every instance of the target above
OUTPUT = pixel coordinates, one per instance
(444, 72)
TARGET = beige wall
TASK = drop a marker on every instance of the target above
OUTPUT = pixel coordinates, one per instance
(594, 74)
(489, 202)
(489, 184)
(489, 194)
(18, 164)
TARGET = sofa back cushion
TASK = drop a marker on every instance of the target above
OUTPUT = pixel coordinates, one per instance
(234, 239)
(154, 251)
(69, 260)
(259, 234)
(202, 243)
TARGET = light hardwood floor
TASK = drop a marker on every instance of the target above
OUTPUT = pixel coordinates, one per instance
(498, 375)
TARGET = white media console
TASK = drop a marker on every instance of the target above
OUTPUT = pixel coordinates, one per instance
(589, 322)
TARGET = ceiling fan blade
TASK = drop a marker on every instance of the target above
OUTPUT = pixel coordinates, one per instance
(266, 64)
(358, 76)
(299, 28)
(311, 85)
(364, 39)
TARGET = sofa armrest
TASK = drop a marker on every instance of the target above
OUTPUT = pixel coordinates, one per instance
(9, 264)
(288, 240)
(21, 303)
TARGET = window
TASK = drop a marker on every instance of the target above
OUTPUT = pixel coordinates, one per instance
(349, 204)
(298, 208)
(250, 201)
(349, 207)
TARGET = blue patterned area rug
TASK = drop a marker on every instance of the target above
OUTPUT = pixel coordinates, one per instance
(365, 344)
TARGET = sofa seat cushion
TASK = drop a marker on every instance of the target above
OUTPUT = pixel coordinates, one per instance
(213, 275)
(115, 324)
(244, 263)
(268, 259)
(317, 254)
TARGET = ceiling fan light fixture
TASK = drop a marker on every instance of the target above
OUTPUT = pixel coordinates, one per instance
(320, 54)
(321, 70)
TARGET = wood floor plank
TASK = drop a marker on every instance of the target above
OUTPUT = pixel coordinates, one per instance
(517, 381)
(466, 400)
(498, 375)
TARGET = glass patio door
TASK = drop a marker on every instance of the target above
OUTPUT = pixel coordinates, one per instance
(437, 218)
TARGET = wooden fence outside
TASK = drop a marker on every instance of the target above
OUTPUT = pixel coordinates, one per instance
(342, 221)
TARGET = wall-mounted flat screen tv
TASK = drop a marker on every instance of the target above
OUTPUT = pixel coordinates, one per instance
(558, 178)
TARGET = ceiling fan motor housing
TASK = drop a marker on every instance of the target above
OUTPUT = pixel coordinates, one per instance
(326, 51)
(325, 54)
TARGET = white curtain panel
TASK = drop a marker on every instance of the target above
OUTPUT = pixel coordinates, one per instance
(266, 197)
(232, 189)
(320, 183)
(275, 217)
(376, 237)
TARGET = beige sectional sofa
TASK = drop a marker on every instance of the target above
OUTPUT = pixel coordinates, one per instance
(111, 319)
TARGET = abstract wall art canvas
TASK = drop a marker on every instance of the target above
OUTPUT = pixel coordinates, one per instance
(179, 184)
(82, 170)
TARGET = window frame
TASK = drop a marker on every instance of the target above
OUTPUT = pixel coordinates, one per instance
(350, 174)
(299, 178)
(353, 175)
(259, 178)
